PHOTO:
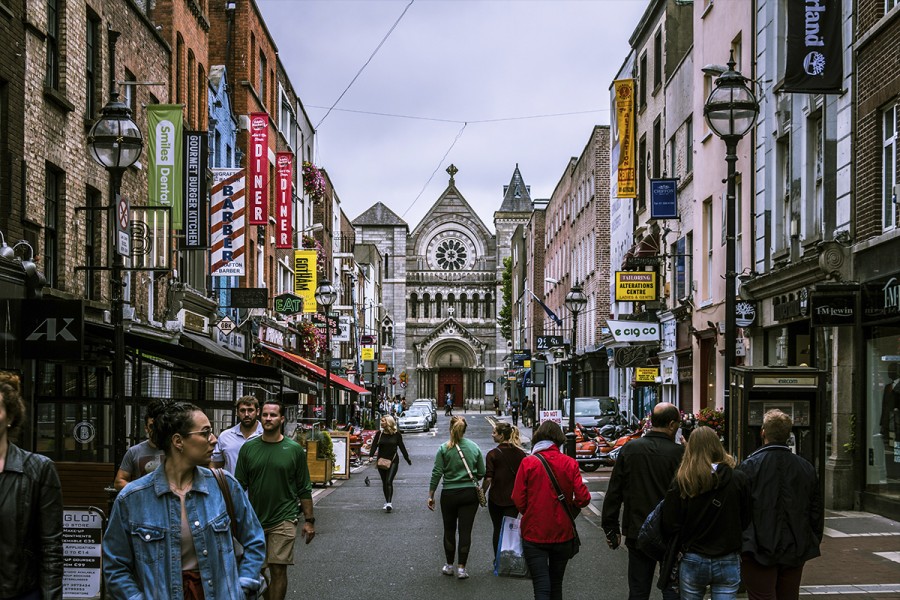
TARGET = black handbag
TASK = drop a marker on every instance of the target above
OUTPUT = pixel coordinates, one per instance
(576, 541)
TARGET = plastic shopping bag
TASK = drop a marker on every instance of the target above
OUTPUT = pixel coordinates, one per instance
(510, 560)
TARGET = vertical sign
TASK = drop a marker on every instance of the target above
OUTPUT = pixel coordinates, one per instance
(284, 200)
(81, 540)
(625, 126)
(258, 170)
(305, 278)
(123, 226)
(164, 169)
(663, 199)
(195, 159)
(814, 63)
(227, 223)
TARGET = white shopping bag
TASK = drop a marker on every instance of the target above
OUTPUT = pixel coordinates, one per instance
(510, 560)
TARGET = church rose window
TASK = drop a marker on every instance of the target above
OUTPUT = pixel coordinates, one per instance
(451, 255)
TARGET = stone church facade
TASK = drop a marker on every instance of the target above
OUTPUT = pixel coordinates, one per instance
(442, 289)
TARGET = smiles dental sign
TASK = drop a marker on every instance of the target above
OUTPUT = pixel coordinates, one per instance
(165, 187)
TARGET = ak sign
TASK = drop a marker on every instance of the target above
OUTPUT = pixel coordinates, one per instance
(52, 328)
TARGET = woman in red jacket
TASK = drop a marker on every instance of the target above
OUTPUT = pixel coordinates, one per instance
(547, 532)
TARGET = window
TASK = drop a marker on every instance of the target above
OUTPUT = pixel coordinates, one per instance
(191, 89)
(679, 259)
(689, 145)
(179, 69)
(4, 143)
(643, 170)
(708, 246)
(54, 10)
(642, 81)
(889, 168)
(657, 148)
(817, 167)
(52, 196)
(738, 226)
(92, 65)
(783, 192)
(657, 59)
(92, 244)
(673, 156)
(130, 100)
(263, 67)
(202, 101)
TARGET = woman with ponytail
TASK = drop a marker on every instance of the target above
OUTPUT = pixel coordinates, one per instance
(455, 459)
(502, 465)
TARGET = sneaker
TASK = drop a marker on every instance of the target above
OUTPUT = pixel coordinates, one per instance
(448, 570)
(388, 507)
(462, 574)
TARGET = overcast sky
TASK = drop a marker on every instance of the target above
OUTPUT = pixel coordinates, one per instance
(450, 64)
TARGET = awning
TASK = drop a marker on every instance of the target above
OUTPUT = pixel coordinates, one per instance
(317, 370)
(206, 344)
(643, 253)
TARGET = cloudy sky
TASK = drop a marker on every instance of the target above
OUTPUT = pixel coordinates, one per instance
(488, 83)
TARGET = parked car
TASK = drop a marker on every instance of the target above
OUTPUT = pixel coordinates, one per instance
(429, 404)
(594, 411)
(415, 418)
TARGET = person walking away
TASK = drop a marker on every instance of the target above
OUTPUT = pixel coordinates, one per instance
(640, 479)
(448, 405)
(273, 470)
(514, 412)
(144, 457)
(497, 406)
(707, 508)
(231, 440)
(778, 543)
(168, 536)
(31, 557)
(501, 465)
(454, 460)
(547, 531)
(387, 443)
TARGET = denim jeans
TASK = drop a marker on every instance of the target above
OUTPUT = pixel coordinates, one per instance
(722, 574)
(641, 569)
(547, 564)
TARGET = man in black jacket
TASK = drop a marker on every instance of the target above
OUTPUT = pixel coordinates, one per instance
(788, 517)
(643, 473)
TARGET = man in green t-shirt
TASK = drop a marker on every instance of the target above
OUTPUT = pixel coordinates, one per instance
(273, 470)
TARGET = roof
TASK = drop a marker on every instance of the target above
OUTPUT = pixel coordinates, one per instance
(516, 195)
(379, 214)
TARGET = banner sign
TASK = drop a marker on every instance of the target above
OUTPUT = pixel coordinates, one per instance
(663, 199)
(646, 374)
(258, 169)
(284, 200)
(635, 286)
(634, 331)
(227, 223)
(52, 328)
(831, 309)
(196, 150)
(305, 278)
(814, 63)
(248, 298)
(164, 149)
(625, 124)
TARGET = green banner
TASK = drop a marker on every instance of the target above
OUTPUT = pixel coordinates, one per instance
(165, 150)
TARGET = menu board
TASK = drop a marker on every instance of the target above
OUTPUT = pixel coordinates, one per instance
(82, 538)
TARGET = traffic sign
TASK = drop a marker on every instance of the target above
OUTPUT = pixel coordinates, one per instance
(123, 220)
(226, 325)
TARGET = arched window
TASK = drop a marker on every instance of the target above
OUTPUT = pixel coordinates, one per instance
(475, 306)
(488, 307)
(463, 300)
(438, 302)
(451, 303)
(413, 305)
(426, 305)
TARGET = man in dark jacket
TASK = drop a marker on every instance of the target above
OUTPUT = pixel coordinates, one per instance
(788, 517)
(642, 475)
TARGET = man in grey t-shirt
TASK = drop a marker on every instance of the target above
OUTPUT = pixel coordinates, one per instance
(144, 457)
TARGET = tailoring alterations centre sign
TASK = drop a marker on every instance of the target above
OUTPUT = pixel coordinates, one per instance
(636, 286)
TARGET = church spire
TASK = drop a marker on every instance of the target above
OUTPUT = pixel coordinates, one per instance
(516, 195)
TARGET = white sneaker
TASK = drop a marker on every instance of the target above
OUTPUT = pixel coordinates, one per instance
(462, 573)
(388, 507)
(448, 570)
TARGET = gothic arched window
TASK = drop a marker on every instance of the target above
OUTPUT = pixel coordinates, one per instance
(413, 305)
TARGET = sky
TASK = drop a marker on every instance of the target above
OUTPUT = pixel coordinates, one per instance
(481, 84)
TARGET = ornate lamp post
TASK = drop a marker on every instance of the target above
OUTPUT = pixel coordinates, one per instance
(730, 111)
(115, 143)
(575, 302)
(325, 296)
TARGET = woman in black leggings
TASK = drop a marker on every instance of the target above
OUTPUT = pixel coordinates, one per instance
(502, 465)
(387, 443)
(459, 501)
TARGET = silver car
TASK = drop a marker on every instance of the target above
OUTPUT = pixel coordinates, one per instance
(414, 418)
(429, 406)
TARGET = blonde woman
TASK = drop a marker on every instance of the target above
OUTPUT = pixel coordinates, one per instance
(387, 444)
(708, 508)
(459, 500)
(502, 464)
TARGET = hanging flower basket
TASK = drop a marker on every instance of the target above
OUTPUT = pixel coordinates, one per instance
(313, 181)
(714, 419)
(312, 243)
(312, 341)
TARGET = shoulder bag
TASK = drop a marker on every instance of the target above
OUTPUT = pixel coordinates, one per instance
(383, 464)
(219, 474)
(482, 499)
(576, 541)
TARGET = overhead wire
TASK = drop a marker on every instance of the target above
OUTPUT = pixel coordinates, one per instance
(433, 173)
(469, 121)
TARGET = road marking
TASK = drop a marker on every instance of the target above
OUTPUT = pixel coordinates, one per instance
(894, 556)
(594, 509)
(831, 590)
(834, 533)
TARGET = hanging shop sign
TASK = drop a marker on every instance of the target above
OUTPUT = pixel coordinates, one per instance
(744, 314)
(546, 342)
(646, 374)
(832, 309)
(631, 356)
(196, 149)
(52, 328)
(636, 286)
(305, 278)
(284, 200)
(164, 171)
(258, 169)
(287, 304)
(814, 62)
(663, 199)
(248, 297)
(226, 223)
(625, 170)
(367, 353)
(634, 331)
(343, 328)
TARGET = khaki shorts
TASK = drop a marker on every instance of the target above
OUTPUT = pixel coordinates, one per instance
(280, 543)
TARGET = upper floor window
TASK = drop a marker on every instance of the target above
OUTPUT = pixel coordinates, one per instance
(889, 168)
(642, 81)
(657, 59)
(54, 11)
(689, 145)
(263, 68)
(52, 197)
(92, 66)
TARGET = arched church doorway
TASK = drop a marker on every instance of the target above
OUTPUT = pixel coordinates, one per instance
(450, 381)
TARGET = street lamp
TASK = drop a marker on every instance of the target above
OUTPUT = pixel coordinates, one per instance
(326, 295)
(115, 143)
(730, 111)
(575, 301)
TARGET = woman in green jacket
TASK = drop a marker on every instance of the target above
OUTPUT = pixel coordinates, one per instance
(453, 463)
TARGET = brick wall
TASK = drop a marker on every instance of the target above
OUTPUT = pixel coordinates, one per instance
(12, 95)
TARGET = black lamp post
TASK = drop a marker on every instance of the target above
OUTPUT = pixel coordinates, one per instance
(730, 111)
(326, 295)
(115, 143)
(575, 302)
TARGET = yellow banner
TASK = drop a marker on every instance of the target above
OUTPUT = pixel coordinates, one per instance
(305, 278)
(367, 353)
(635, 286)
(646, 374)
(625, 124)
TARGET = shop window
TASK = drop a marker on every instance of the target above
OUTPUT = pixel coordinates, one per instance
(882, 436)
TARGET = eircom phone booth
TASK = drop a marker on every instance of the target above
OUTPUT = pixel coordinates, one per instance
(797, 391)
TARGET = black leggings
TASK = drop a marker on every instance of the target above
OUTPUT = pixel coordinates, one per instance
(387, 479)
(497, 514)
(458, 509)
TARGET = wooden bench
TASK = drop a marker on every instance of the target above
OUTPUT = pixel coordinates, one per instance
(85, 483)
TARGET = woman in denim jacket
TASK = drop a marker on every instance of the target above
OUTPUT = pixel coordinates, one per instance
(169, 533)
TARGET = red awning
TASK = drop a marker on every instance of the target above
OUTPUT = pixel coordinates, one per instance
(317, 370)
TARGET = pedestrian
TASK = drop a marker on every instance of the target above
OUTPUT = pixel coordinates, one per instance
(497, 406)
(448, 405)
(514, 412)
(501, 465)
(169, 535)
(31, 550)
(387, 444)
(457, 462)
(144, 457)
(640, 478)
(273, 470)
(707, 509)
(778, 543)
(231, 440)
(548, 535)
